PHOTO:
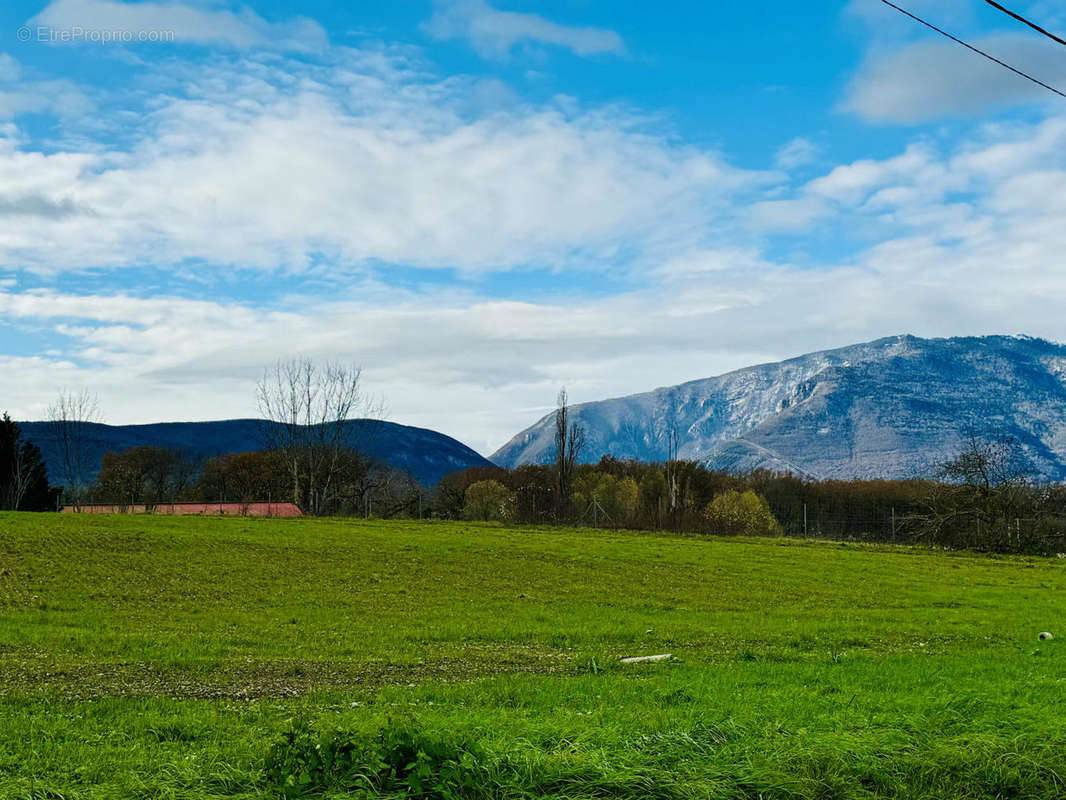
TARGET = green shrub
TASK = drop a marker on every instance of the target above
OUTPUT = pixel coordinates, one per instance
(488, 500)
(733, 513)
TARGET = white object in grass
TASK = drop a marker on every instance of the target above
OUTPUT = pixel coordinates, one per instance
(1044, 635)
(638, 659)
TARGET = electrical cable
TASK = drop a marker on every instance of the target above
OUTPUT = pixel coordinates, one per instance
(1037, 81)
(1024, 21)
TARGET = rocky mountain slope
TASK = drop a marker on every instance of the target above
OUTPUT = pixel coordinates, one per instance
(891, 408)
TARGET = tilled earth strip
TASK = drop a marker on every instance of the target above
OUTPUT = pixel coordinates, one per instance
(253, 679)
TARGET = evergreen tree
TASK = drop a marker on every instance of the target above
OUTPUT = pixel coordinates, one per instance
(23, 476)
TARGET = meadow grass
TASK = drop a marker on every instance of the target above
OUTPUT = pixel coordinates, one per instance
(196, 657)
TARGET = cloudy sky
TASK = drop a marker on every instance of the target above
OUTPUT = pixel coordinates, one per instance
(481, 201)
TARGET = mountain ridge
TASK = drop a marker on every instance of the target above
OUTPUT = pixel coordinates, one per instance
(427, 454)
(893, 407)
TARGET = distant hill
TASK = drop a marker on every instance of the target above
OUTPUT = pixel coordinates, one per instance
(428, 455)
(892, 408)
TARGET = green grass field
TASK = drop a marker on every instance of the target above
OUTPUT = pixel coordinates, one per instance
(154, 657)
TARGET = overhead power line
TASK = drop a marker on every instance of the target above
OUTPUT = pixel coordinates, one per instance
(980, 52)
(1023, 20)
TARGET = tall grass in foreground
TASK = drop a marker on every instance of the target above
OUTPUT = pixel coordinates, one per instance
(151, 657)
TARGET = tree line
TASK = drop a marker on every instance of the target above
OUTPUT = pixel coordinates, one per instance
(313, 455)
(982, 499)
(1010, 517)
(154, 476)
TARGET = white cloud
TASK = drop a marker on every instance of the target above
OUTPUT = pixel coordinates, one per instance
(935, 78)
(787, 215)
(376, 164)
(26, 94)
(10, 69)
(472, 366)
(797, 153)
(59, 97)
(853, 182)
(35, 192)
(887, 23)
(494, 33)
(967, 241)
(242, 29)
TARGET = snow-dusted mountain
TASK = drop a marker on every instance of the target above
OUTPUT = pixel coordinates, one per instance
(891, 408)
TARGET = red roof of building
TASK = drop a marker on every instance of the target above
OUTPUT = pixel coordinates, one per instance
(201, 509)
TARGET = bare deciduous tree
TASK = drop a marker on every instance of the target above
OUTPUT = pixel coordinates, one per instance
(985, 500)
(672, 466)
(143, 475)
(18, 479)
(308, 407)
(987, 465)
(70, 418)
(569, 442)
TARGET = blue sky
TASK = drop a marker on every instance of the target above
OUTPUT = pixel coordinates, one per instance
(479, 202)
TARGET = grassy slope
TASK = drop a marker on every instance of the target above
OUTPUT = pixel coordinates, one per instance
(162, 656)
